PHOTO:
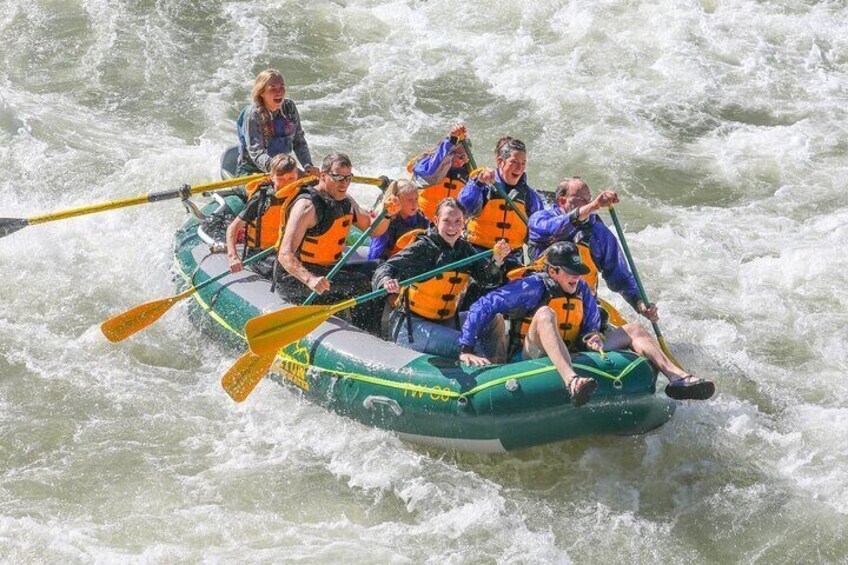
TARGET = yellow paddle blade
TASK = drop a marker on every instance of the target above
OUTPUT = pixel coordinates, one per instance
(667, 351)
(615, 316)
(268, 333)
(122, 326)
(245, 374)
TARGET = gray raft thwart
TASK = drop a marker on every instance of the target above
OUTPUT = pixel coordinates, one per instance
(424, 398)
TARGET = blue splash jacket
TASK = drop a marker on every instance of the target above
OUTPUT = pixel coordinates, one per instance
(552, 224)
(516, 300)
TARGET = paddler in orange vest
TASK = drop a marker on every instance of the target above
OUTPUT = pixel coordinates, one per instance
(424, 315)
(555, 313)
(490, 217)
(441, 172)
(261, 216)
(319, 220)
(404, 227)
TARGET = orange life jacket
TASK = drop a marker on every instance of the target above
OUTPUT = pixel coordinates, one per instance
(591, 277)
(324, 243)
(437, 298)
(262, 232)
(497, 220)
(569, 313)
(404, 240)
(430, 196)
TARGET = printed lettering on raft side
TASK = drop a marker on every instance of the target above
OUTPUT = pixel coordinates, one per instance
(293, 367)
(433, 395)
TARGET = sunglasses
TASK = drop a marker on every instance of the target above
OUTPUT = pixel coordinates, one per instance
(340, 178)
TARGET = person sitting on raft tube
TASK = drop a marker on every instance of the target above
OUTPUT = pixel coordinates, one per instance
(554, 312)
(319, 220)
(262, 216)
(441, 172)
(490, 217)
(424, 317)
(270, 125)
(404, 227)
(572, 218)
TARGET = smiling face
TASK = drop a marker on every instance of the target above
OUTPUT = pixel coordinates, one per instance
(449, 224)
(336, 181)
(513, 167)
(273, 94)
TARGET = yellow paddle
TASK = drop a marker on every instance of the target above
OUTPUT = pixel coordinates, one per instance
(11, 225)
(122, 326)
(641, 288)
(269, 333)
(615, 318)
(246, 373)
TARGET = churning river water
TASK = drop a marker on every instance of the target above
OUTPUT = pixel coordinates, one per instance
(722, 124)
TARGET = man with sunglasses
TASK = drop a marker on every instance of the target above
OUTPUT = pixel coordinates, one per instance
(319, 220)
(554, 312)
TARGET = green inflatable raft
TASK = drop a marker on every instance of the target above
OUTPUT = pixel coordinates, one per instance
(424, 399)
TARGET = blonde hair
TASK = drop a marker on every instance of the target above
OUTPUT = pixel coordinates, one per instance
(400, 186)
(261, 83)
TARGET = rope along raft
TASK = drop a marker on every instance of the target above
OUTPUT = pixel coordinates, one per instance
(444, 393)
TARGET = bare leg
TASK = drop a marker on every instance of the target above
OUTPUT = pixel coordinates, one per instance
(543, 336)
(638, 339)
(493, 340)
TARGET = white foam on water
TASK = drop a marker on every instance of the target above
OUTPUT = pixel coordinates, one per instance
(722, 126)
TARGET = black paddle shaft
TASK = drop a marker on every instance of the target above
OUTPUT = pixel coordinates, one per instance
(11, 225)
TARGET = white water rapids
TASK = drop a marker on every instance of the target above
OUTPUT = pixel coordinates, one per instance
(722, 124)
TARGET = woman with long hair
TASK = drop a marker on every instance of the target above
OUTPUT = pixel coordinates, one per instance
(269, 126)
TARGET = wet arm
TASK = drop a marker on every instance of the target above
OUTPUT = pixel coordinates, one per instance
(232, 234)
(363, 220)
(302, 217)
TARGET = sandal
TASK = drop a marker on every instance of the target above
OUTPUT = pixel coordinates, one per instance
(685, 388)
(581, 389)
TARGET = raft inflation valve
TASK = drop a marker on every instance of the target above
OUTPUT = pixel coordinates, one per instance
(512, 385)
